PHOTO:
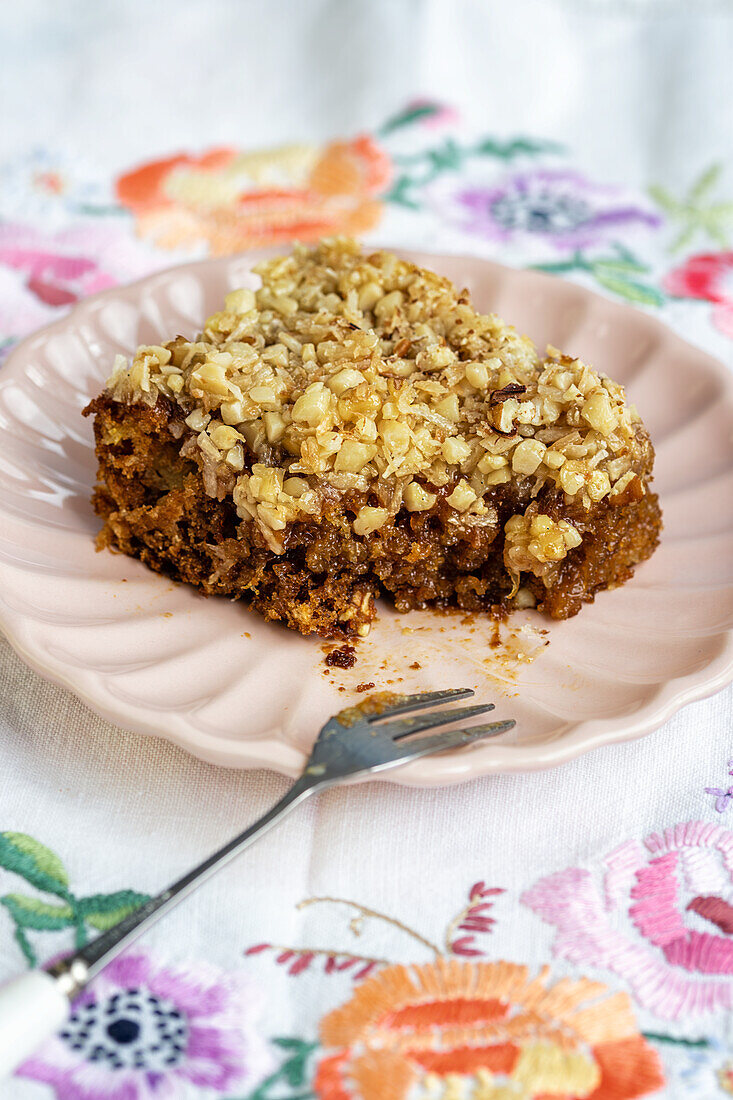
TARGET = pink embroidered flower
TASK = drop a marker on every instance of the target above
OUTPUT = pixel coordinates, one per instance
(42, 272)
(708, 276)
(556, 206)
(145, 1031)
(662, 918)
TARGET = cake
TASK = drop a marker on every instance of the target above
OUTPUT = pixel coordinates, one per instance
(354, 428)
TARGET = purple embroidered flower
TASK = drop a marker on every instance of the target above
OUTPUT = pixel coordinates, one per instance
(722, 797)
(145, 1031)
(558, 206)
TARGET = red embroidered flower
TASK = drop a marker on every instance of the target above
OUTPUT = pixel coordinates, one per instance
(708, 276)
(490, 1027)
(234, 200)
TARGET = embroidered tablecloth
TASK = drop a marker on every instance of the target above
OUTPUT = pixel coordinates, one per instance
(563, 934)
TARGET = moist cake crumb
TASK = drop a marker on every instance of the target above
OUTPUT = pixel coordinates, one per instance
(344, 657)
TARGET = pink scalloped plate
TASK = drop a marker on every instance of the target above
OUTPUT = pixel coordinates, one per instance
(212, 677)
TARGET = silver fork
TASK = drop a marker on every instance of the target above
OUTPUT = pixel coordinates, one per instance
(359, 741)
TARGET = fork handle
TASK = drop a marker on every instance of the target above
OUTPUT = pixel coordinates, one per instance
(86, 963)
(34, 1005)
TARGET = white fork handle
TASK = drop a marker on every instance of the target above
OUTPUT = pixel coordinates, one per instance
(32, 1008)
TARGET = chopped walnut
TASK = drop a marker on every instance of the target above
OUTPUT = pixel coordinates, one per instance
(347, 371)
(534, 543)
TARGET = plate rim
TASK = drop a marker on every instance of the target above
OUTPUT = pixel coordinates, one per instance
(266, 751)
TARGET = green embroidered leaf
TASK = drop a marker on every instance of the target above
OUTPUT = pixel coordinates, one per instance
(719, 236)
(103, 911)
(445, 157)
(399, 194)
(684, 238)
(508, 150)
(632, 291)
(695, 213)
(99, 211)
(663, 198)
(35, 863)
(625, 253)
(294, 1069)
(705, 182)
(629, 267)
(656, 1037)
(36, 914)
(559, 268)
(407, 117)
(286, 1043)
(720, 210)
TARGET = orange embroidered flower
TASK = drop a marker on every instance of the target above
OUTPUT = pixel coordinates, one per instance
(725, 1077)
(233, 200)
(484, 1031)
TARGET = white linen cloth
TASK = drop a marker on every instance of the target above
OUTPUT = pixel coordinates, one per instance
(638, 93)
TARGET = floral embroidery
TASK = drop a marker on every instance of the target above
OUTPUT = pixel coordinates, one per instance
(650, 921)
(708, 276)
(144, 1030)
(42, 869)
(619, 271)
(39, 273)
(41, 186)
(233, 200)
(472, 920)
(694, 1067)
(429, 112)
(557, 206)
(722, 797)
(694, 213)
(294, 1071)
(488, 1030)
(417, 170)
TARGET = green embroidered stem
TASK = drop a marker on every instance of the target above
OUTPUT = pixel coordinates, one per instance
(22, 940)
(292, 1072)
(80, 934)
(613, 272)
(656, 1037)
(577, 262)
(99, 211)
(407, 117)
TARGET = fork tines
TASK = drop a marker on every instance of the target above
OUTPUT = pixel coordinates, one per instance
(405, 726)
(454, 739)
(403, 704)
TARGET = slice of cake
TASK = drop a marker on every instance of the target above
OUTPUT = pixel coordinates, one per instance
(355, 428)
